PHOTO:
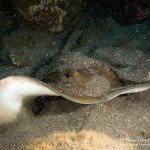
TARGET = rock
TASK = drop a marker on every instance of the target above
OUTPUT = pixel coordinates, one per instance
(27, 47)
(8, 70)
(53, 15)
(5, 23)
(5, 26)
(109, 33)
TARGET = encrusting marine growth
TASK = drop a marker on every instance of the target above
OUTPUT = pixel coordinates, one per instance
(83, 140)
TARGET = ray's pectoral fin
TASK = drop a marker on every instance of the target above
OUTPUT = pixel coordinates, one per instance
(109, 95)
(15, 90)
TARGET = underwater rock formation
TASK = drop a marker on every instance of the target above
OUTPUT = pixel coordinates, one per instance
(27, 47)
(52, 14)
(5, 27)
(5, 23)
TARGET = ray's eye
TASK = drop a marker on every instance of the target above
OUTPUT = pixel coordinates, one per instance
(68, 74)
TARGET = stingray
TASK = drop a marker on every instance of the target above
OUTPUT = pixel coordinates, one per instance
(14, 90)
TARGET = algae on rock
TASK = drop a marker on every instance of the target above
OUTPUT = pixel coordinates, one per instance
(54, 15)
